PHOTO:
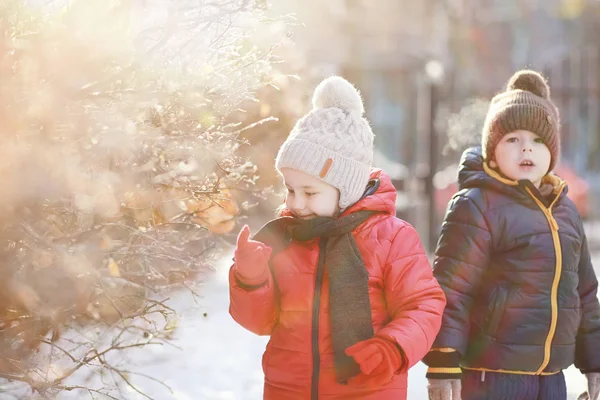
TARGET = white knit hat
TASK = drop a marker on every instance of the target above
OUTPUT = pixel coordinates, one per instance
(333, 142)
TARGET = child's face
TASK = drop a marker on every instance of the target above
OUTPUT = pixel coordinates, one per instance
(309, 197)
(522, 155)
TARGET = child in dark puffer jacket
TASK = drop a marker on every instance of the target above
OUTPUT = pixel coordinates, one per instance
(514, 264)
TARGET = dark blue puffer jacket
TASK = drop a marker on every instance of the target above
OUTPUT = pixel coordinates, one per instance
(517, 275)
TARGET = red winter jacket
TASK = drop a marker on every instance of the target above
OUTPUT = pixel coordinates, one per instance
(406, 302)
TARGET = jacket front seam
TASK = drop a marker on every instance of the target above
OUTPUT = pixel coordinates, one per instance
(557, 272)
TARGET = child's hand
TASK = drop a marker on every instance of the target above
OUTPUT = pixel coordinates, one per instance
(379, 359)
(444, 389)
(251, 258)
(593, 391)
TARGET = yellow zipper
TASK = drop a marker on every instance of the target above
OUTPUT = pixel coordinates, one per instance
(558, 269)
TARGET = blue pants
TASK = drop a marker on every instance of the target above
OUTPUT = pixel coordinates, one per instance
(498, 386)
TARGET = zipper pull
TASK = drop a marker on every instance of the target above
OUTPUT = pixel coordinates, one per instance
(482, 376)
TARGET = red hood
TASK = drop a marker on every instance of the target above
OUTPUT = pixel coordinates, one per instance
(384, 199)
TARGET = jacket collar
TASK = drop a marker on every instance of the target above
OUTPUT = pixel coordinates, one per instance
(475, 172)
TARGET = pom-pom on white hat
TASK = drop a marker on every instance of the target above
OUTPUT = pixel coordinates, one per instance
(333, 142)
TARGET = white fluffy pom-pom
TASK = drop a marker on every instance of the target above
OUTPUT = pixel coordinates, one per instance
(335, 91)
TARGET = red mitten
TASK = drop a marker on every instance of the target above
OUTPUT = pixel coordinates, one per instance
(379, 360)
(251, 259)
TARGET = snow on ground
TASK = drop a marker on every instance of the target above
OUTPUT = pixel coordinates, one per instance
(219, 360)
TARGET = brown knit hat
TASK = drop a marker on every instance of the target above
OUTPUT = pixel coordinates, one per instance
(524, 105)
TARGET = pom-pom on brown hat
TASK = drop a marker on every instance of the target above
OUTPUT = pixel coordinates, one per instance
(525, 105)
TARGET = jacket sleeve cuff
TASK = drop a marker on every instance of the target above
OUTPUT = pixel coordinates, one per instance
(250, 283)
(590, 371)
(443, 364)
(397, 353)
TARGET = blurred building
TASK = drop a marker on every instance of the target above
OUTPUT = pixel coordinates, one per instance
(383, 47)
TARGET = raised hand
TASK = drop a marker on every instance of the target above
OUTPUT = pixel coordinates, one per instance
(251, 258)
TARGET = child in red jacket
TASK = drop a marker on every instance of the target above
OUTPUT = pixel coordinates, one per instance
(341, 285)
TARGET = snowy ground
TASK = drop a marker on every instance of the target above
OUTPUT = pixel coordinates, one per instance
(219, 360)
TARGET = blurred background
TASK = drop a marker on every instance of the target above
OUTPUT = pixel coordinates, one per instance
(427, 70)
(139, 135)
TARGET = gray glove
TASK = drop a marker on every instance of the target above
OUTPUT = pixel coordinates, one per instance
(444, 389)
(593, 392)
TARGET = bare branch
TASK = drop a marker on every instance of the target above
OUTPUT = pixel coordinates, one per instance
(128, 382)
(119, 175)
(87, 389)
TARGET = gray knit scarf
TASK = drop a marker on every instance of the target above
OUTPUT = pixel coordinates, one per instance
(349, 304)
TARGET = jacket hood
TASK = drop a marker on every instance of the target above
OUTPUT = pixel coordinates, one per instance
(383, 199)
